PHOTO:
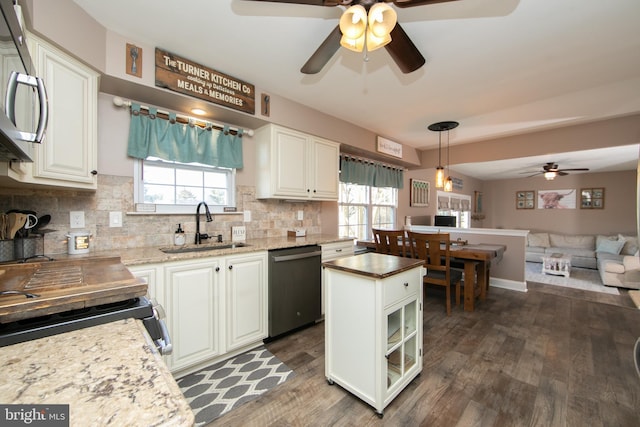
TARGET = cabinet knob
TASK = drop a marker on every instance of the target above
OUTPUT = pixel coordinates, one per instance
(406, 284)
(94, 172)
(217, 269)
(231, 267)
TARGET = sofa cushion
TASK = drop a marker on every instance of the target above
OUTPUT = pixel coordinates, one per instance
(572, 241)
(611, 266)
(610, 246)
(574, 252)
(601, 237)
(630, 244)
(538, 239)
(535, 249)
(631, 262)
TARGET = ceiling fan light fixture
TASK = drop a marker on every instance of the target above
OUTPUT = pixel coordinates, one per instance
(382, 19)
(353, 22)
(374, 42)
(550, 175)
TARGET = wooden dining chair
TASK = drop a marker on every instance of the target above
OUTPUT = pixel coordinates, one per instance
(433, 248)
(390, 242)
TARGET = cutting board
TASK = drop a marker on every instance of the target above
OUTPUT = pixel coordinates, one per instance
(65, 285)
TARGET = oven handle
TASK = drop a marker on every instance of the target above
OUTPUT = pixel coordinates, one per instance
(304, 255)
(164, 343)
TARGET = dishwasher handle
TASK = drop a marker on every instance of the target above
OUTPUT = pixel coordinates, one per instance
(304, 255)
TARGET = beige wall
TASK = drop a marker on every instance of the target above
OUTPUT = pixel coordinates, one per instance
(618, 215)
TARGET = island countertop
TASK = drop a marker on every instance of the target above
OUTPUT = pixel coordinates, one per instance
(109, 374)
(374, 265)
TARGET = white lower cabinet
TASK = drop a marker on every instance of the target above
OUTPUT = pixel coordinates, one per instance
(193, 308)
(215, 306)
(373, 325)
(246, 299)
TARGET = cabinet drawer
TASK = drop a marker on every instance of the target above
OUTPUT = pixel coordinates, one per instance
(400, 286)
(335, 250)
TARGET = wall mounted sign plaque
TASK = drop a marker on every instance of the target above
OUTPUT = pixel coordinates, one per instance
(389, 147)
(181, 75)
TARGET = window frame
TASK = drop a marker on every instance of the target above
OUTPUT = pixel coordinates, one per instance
(456, 213)
(369, 208)
(138, 189)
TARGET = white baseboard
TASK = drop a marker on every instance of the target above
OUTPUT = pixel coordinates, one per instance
(511, 285)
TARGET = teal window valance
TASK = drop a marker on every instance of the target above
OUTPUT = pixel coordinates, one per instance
(354, 170)
(151, 136)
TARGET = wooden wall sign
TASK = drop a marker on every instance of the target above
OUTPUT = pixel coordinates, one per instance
(389, 147)
(181, 75)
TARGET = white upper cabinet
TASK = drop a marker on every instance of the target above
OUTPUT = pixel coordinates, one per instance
(295, 165)
(68, 155)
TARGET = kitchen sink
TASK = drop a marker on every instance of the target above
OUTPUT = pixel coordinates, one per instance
(202, 248)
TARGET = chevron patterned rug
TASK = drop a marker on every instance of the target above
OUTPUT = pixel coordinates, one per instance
(217, 389)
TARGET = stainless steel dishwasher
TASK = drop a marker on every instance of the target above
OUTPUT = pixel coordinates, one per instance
(294, 288)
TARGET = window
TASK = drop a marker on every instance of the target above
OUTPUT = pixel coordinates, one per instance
(176, 187)
(361, 208)
(458, 205)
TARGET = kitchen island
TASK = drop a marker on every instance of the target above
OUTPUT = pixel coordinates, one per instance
(109, 374)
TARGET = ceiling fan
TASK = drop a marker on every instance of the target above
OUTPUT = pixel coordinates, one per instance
(551, 170)
(405, 54)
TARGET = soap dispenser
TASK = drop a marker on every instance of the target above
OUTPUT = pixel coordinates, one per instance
(179, 238)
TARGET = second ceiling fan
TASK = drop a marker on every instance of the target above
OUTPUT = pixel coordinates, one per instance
(405, 54)
(551, 170)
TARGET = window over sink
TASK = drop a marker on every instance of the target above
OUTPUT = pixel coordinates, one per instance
(176, 187)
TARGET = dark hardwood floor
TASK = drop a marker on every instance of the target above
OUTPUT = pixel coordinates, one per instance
(550, 357)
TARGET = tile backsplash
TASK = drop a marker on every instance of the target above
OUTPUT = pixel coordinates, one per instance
(269, 218)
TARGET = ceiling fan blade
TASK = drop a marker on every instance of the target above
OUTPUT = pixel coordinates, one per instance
(411, 3)
(561, 173)
(311, 2)
(324, 53)
(573, 170)
(403, 51)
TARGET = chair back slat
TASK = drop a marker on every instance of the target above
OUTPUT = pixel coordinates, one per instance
(433, 248)
(390, 242)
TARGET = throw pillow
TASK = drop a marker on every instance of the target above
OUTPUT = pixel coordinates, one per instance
(610, 246)
(538, 239)
(630, 246)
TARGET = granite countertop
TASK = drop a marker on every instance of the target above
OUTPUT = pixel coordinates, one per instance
(109, 374)
(152, 255)
(374, 265)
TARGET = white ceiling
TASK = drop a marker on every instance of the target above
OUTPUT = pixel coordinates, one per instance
(499, 67)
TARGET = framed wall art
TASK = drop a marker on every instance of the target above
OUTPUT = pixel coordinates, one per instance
(557, 199)
(592, 198)
(419, 193)
(525, 199)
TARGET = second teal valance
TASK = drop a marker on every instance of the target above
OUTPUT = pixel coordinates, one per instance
(374, 174)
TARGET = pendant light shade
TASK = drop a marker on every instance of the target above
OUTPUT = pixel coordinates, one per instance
(439, 177)
(439, 127)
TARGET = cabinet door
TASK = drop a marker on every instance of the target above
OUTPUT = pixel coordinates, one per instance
(193, 293)
(68, 154)
(246, 299)
(323, 167)
(152, 275)
(290, 151)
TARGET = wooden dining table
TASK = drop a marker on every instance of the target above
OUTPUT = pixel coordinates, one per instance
(477, 258)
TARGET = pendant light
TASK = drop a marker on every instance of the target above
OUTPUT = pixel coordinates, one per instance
(440, 127)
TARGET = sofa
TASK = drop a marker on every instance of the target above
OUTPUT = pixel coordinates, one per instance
(615, 256)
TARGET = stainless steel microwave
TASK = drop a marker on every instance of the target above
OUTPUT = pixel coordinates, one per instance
(23, 119)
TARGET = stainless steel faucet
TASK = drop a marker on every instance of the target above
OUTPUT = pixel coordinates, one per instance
(204, 236)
